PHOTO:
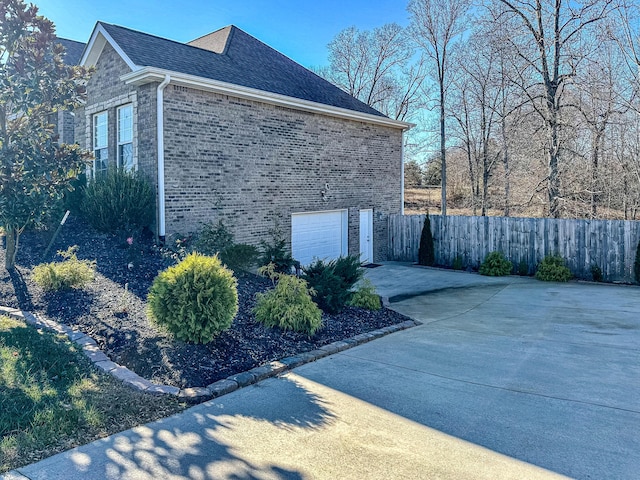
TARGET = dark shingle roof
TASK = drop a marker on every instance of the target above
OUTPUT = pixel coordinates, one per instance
(245, 61)
(73, 50)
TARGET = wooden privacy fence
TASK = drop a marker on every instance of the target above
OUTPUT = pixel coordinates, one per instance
(609, 244)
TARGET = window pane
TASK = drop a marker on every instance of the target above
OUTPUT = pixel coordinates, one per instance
(100, 130)
(101, 161)
(125, 124)
(125, 154)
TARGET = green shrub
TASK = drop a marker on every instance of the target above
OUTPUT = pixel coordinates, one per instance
(119, 201)
(636, 265)
(213, 238)
(426, 251)
(239, 256)
(195, 299)
(523, 268)
(457, 263)
(70, 273)
(596, 273)
(288, 306)
(366, 297)
(50, 218)
(495, 265)
(218, 240)
(333, 281)
(276, 252)
(74, 198)
(553, 269)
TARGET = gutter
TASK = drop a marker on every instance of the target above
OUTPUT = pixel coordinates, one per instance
(153, 74)
(160, 129)
(402, 172)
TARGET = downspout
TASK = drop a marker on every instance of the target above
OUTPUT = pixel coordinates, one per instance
(160, 129)
(402, 172)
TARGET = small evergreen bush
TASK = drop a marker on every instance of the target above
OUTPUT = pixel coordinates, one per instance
(366, 297)
(275, 252)
(596, 273)
(636, 265)
(426, 251)
(239, 256)
(218, 240)
(457, 263)
(333, 281)
(119, 201)
(288, 306)
(213, 238)
(523, 268)
(495, 265)
(195, 299)
(70, 273)
(553, 269)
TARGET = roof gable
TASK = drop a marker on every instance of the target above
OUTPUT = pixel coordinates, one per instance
(214, 42)
(243, 60)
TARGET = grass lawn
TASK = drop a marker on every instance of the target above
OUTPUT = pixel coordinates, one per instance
(53, 399)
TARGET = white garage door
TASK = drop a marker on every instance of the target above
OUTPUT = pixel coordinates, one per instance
(320, 235)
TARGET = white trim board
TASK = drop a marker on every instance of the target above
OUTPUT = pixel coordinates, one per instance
(152, 74)
(99, 38)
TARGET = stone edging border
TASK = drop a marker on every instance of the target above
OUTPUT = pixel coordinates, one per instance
(221, 387)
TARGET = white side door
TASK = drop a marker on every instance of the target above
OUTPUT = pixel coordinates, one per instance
(366, 236)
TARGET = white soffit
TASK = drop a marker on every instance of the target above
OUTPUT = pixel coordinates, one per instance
(98, 40)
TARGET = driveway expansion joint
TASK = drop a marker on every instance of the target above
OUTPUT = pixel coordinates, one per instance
(90, 349)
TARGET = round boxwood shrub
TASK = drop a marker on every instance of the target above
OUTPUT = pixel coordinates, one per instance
(195, 299)
(553, 269)
(495, 265)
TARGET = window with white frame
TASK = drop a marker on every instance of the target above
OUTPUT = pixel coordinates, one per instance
(125, 137)
(100, 143)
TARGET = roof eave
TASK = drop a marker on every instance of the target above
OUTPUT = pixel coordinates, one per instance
(99, 38)
(146, 75)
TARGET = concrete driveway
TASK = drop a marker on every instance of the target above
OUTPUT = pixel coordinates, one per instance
(506, 378)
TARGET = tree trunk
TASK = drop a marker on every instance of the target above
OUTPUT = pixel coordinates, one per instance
(485, 162)
(472, 177)
(594, 176)
(595, 159)
(507, 174)
(485, 188)
(11, 235)
(443, 152)
(553, 182)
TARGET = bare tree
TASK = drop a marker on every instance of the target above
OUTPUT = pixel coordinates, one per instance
(378, 68)
(604, 94)
(436, 26)
(548, 37)
(463, 114)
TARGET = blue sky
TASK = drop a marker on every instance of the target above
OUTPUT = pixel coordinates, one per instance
(299, 29)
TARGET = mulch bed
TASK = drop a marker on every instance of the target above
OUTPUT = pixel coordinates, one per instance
(116, 318)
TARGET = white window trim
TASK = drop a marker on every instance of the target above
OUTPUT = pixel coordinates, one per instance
(119, 143)
(90, 110)
(95, 147)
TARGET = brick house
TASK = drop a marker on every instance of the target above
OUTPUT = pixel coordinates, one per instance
(227, 128)
(62, 120)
